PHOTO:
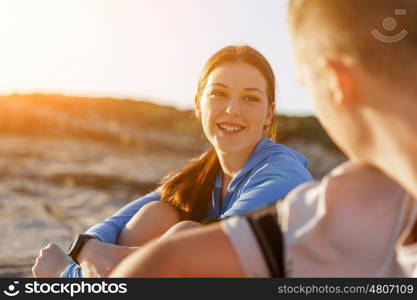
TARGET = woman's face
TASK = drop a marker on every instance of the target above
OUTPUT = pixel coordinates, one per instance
(234, 108)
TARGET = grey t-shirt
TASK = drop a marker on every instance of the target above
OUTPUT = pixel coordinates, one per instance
(354, 223)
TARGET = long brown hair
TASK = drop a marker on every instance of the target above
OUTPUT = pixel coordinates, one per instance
(190, 190)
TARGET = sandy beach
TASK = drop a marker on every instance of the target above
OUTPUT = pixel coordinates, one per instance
(52, 189)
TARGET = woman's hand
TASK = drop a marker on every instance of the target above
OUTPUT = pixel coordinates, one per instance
(50, 262)
(98, 259)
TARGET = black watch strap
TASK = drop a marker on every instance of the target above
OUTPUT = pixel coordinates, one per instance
(77, 245)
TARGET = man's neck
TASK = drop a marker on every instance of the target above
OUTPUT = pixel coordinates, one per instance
(395, 143)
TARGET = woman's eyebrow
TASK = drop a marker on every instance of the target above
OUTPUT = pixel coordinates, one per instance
(253, 89)
(221, 84)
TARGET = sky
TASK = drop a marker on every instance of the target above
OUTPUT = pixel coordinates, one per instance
(139, 49)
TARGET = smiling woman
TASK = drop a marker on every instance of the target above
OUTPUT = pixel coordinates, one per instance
(243, 171)
(235, 102)
(235, 107)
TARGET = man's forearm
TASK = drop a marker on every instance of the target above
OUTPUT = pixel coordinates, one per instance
(200, 252)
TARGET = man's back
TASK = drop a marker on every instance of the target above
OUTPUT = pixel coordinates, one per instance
(351, 224)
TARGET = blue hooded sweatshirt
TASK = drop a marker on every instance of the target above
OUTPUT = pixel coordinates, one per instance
(271, 171)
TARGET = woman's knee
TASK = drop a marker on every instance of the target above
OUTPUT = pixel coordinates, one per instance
(185, 225)
(160, 208)
(181, 226)
(158, 205)
(151, 221)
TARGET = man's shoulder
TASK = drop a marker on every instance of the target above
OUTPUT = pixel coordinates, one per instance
(349, 189)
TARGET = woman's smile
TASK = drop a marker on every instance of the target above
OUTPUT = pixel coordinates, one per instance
(230, 128)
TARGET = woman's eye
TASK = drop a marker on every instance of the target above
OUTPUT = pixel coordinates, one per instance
(251, 98)
(217, 94)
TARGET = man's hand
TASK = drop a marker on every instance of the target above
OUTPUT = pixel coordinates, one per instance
(98, 259)
(51, 261)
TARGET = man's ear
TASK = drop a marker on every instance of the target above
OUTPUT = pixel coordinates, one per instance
(340, 82)
(197, 107)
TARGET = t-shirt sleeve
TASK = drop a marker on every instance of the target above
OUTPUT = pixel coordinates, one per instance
(268, 185)
(246, 246)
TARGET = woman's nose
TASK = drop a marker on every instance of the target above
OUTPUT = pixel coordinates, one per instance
(233, 107)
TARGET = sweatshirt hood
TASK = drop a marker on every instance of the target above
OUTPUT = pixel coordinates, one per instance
(263, 151)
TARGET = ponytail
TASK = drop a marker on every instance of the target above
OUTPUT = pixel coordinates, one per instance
(190, 190)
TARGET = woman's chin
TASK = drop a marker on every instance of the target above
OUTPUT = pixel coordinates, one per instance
(230, 147)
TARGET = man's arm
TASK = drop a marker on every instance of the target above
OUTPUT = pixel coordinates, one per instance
(200, 252)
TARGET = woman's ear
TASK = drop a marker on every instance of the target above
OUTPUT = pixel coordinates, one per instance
(197, 107)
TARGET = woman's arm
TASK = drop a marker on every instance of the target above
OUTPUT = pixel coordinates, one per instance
(153, 220)
(150, 222)
(108, 231)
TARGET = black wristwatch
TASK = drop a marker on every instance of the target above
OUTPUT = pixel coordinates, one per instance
(77, 245)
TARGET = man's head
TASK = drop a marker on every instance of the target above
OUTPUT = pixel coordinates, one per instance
(353, 56)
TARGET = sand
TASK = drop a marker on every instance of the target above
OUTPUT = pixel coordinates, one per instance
(51, 189)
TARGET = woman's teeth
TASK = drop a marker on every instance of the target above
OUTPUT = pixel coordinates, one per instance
(230, 128)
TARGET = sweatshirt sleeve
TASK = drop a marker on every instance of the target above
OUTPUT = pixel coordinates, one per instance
(108, 230)
(268, 184)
